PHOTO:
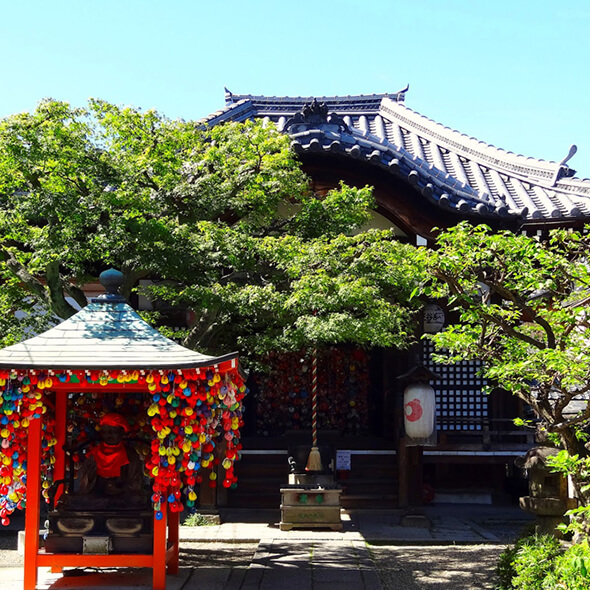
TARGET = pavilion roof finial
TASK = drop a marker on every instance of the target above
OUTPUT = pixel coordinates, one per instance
(111, 280)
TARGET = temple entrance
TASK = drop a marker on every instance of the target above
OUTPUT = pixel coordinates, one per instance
(358, 425)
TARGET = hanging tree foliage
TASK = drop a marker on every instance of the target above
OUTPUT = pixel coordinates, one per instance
(223, 217)
(524, 306)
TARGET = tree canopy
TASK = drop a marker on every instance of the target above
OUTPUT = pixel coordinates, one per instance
(223, 218)
(523, 305)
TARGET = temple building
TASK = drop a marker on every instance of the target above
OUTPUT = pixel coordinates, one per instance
(424, 175)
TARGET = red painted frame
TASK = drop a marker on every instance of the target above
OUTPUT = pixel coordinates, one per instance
(165, 553)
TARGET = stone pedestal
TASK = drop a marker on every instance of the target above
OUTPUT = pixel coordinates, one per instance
(550, 513)
(547, 498)
(310, 506)
(100, 532)
(308, 479)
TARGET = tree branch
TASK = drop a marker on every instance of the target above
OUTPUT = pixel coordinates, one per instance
(521, 304)
(55, 285)
(76, 294)
(567, 397)
(130, 278)
(201, 328)
(33, 284)
(82, 188)
(506, 326)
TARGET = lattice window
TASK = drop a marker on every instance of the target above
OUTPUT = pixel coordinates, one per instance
(460, 403)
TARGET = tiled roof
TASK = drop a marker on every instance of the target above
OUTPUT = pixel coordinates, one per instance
(450, 169)
(104, 336)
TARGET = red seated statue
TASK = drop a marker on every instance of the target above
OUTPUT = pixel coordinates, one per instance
(111, 475)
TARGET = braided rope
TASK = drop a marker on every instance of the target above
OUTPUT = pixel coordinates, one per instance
(314, 393)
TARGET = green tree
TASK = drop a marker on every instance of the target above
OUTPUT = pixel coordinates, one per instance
(523, 307)
(223, 217)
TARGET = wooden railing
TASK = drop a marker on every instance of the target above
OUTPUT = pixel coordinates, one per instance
(491, 430)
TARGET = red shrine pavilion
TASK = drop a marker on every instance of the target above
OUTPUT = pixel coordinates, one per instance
(183, 411)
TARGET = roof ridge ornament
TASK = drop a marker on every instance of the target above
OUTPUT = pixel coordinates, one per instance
(315, 115)
(229, 97)
(562, 169)
(112, 280)
(400, 95)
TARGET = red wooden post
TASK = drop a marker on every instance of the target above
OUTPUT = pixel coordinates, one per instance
(314, 394)
(32, 513)
(159, 552)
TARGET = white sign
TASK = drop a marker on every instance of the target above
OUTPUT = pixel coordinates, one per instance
(343, 460)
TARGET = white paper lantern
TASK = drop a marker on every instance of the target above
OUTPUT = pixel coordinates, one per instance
(419, 410)
(434, 318)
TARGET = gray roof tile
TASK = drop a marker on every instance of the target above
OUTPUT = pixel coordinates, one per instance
(462, 173)
(104, 336)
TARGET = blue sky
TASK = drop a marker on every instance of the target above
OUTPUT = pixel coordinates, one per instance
(515, 74)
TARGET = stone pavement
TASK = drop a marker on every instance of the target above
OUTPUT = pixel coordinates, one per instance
(445, 524)
(296, 565)
(303, 559)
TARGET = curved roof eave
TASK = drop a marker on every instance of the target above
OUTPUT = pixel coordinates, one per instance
(435, 185)
(449, 168)
(107, 336)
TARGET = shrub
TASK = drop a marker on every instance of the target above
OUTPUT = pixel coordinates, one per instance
(505, 568)
(571, 570)
(196, 519)
(528, 563)
(534, 561)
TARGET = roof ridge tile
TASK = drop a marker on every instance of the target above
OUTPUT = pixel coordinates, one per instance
(543, 168)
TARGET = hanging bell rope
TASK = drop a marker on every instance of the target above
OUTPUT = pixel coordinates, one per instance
(314, 461)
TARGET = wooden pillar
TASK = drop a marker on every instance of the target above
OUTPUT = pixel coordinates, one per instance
(59, 468)
(222, 492)
(32, 513)
(417, 471)
(207, 495)
(173, 538)
(403, 469)
(159, 551)
(411, 477)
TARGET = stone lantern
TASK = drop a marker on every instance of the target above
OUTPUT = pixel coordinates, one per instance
(547, 491)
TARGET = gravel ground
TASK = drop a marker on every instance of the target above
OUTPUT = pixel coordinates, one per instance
(468, 567)
(8, 554)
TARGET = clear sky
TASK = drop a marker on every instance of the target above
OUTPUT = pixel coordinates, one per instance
(513, 73)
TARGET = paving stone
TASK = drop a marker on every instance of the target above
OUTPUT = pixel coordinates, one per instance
(306, 559)
(207, 579)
